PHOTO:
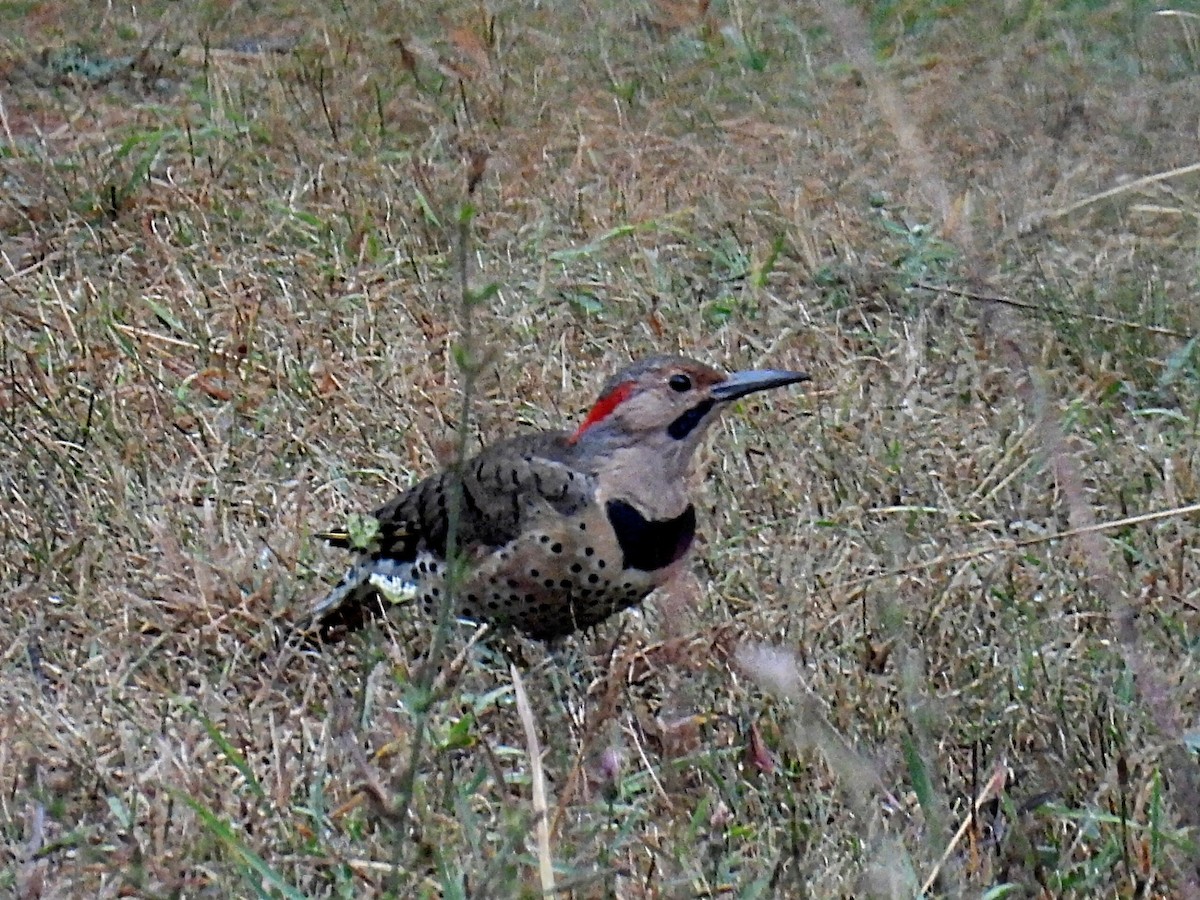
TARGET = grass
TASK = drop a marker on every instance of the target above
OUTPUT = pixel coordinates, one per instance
(928, 645)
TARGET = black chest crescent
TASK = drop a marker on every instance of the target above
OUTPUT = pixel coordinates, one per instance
(649, 544)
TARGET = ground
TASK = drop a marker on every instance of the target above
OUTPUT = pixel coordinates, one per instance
(940, 631)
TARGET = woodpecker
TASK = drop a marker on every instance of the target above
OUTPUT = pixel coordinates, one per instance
(556, 530)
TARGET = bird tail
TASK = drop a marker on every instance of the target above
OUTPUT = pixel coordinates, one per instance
(365, 591)
(350, 588)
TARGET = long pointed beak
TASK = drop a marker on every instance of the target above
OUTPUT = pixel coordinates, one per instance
(739, 384)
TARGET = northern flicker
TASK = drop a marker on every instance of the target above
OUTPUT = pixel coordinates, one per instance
(556, 530)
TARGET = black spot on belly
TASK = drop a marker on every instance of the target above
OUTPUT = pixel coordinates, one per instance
(649, 544)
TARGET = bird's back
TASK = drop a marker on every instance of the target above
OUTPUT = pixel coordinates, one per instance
(527, 485)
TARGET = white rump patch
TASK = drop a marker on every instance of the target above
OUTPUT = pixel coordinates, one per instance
(393, 581)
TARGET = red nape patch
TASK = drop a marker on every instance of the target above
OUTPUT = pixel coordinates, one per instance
(604, 407)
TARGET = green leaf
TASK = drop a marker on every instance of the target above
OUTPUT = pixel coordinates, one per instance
(720, 311)
(483, 294)
(918, 774)
(120, 811)
(363, 531)
(1000, 890)
(229, 838)
(460, 736)
(312, 221)
(768, 265)
(585, 302)
(1177, 362)
(233, 755)
(491, 698)
(167, 317)
(431, 217)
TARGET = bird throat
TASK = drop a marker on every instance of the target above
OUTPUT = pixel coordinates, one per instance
(650, 544)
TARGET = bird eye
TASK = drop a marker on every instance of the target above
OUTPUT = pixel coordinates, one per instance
(680, 382)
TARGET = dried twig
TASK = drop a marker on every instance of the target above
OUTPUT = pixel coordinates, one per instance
(538, 784)
(994, 788)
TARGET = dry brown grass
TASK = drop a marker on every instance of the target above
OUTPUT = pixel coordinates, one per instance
(231, 316)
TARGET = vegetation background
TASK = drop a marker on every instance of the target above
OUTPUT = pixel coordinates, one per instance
(942, 637)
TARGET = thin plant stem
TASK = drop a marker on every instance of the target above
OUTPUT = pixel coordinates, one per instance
(422, 688)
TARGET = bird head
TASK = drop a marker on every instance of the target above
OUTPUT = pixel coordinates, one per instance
(666, 403)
